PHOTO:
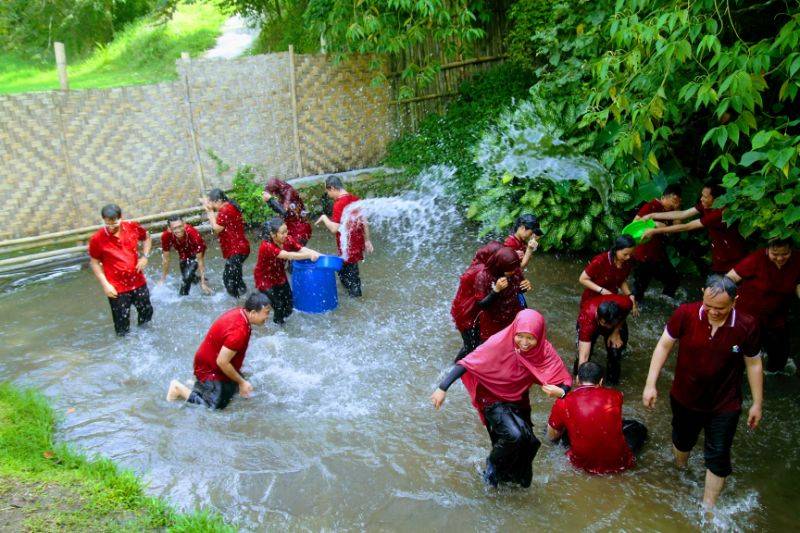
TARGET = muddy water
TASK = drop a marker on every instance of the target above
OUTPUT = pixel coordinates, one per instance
(340, 434)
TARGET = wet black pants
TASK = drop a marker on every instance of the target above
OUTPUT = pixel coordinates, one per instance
(472, 339)
(351, 279)
(280, 297)
(232, 275)
(514, 445)
(188, 275)
(613, 355)
(775, 342)
(663, 271)
(121, 309)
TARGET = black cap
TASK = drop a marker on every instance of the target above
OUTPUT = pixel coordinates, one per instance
(530, 221)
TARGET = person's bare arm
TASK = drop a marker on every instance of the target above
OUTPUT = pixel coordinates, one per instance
(332, 226)
(303, 253)
(587, 282)
(626, 290)
(533, 244)
(755, 377)
(675, 228)
(660, 355)
(554, 434)
(201, 269)
(671, 215)
(224, 359)
(146, 247)
(97, 269)
(584, 350)
(734, 276)
(367, 241)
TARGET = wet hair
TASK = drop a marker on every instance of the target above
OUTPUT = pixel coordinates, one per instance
(111, 211)
(718, 284)
(218, 195)
(528, 221)
(271, 227)
(174, 218)
(334, 182)
(715, 187)
(673, 190)
(591, 372)
(622, 242)
(780, 243)
(256, 302)
(609, 312)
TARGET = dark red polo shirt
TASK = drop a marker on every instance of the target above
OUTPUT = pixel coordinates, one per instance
(354, 229)
(188, 247)
(515, 244)
(592, 417)
(602, 270)
(651, 251)
(587, 319)
(232, 240)
(708, 373)
(232, 330)
(119, 254)
(766, 290)
(270, 271)
(728, 246)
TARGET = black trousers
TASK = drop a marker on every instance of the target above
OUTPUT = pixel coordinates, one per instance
(213, 394)
(351, 279)
(663, 271)
(121, 309)
(775, 342)
(188, 275)
(718, 428)
(232, 275)
(280, 297)
(472, 339)
(613, 355)
(514, 445)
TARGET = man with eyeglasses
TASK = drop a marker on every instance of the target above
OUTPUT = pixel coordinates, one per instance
(191, 249)
(115, 261)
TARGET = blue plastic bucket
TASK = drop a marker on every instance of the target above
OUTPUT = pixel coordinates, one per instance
(314, 284)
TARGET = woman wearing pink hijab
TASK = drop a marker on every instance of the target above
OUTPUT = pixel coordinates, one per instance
(498, 376)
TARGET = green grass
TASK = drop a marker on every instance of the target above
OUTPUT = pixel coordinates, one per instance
(62, 489)
(143, 52)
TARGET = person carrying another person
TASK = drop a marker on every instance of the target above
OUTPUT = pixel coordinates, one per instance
(497, 289)
(357, 234)
(191, 249)
(287, 203)
(604, 316)
(716, 344)
(589, 420)
(728, 246)
(218, 361)
(650, 257)
(498, 376)
(270, 271)
(464, 309)
(115, 261)
(768, 280)
(227, 223)
(607, 273)
(525, 238)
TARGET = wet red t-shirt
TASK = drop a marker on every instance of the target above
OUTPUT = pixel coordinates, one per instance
(504, 307)
(728, 246)
(708, 373)
(602, 270)
(231, 330)
(188, 247)
(766, 290)
(587, 319)
(270, 271)
(119, 254)
(232, 240)
(592, 417)
(515, 244)
(354, 229)
(651, 251)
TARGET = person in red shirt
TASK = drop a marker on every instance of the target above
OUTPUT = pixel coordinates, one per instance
(650, 258)
(607, 272)
(191, 250)
(606, 316)
(218, 360)
(227, 223)
(115, 262)
(589, 421)
(768, 280)
(356, 234)
(497, 289)
(286, 201)
(716, 344)
(728, 246)
(525, 239)
(270, 272)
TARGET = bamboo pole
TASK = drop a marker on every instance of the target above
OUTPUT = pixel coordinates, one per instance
(187, 100)
(61, 65)
(295, 121)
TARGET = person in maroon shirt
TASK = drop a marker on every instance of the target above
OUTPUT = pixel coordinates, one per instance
(270, 271)
(286, 201)
(768, 280)
(605, 316)
(497, 289)
(525, 239)
(589, 421)
(191, 250)
(716, 344)
(218, 360)
(357, 234)
(227, 223)
(607, 272)
(115, 262)
(728, 246)
(650, 257)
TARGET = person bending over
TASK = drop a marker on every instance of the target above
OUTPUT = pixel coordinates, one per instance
(607, 273)
(191, 254)
(604, 316)
(227, 223)
(497, 289)
(525, 238)
(286, 202)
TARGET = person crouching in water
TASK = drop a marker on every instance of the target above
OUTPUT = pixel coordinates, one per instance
(225, 217)
(604, 316)
(498, 376)
(218, 360)
(589, 419)
(270, 271)
(464, 309)
(497, 289)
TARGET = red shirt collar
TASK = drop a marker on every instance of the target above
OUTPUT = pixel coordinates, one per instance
(729, 322)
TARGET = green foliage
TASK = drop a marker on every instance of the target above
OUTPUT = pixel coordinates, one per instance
(285, 27)
(247, 192)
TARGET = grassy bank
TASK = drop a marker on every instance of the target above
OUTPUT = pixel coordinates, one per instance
(46, 486)
(144, 52)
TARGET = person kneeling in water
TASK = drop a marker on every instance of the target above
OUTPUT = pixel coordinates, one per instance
(589, 419)
(498, 376)
(219, 358)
